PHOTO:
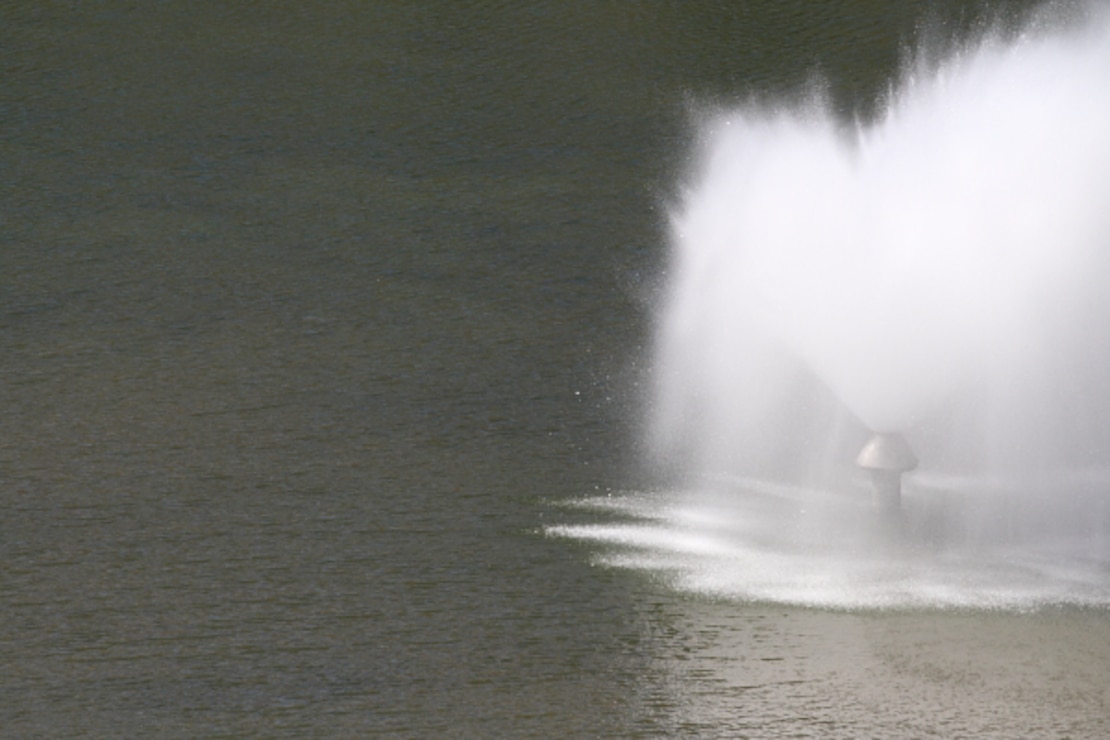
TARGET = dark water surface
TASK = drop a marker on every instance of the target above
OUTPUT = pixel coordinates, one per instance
(310, 311)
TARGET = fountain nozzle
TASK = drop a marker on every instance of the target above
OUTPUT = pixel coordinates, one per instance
(886, 456)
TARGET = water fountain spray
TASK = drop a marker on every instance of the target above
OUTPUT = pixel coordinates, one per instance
(941, 267)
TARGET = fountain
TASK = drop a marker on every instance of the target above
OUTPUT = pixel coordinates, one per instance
(933, 279)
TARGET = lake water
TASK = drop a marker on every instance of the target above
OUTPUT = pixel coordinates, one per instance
(314, 315)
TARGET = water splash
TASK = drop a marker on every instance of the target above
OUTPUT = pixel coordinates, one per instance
(756, 541)
(939, 271)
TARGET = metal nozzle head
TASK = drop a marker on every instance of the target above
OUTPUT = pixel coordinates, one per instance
(887, 451)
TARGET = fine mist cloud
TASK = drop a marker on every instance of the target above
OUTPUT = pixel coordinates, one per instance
(951, 254)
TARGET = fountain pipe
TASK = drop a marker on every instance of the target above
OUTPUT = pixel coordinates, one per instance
(886, 456)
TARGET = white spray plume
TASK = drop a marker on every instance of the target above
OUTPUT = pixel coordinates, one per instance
(953, 246)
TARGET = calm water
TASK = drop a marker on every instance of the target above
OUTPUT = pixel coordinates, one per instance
(311, 313)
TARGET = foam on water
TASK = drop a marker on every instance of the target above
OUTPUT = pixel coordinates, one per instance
(748, 542)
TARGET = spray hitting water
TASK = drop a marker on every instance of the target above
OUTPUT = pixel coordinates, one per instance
(942, 272)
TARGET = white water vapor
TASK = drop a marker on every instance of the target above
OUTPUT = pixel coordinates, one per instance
(940, 270)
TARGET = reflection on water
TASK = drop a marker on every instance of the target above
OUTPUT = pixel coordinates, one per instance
(767, 671)
(932, 629)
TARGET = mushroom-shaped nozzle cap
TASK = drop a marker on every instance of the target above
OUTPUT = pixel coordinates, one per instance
(887, 452)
